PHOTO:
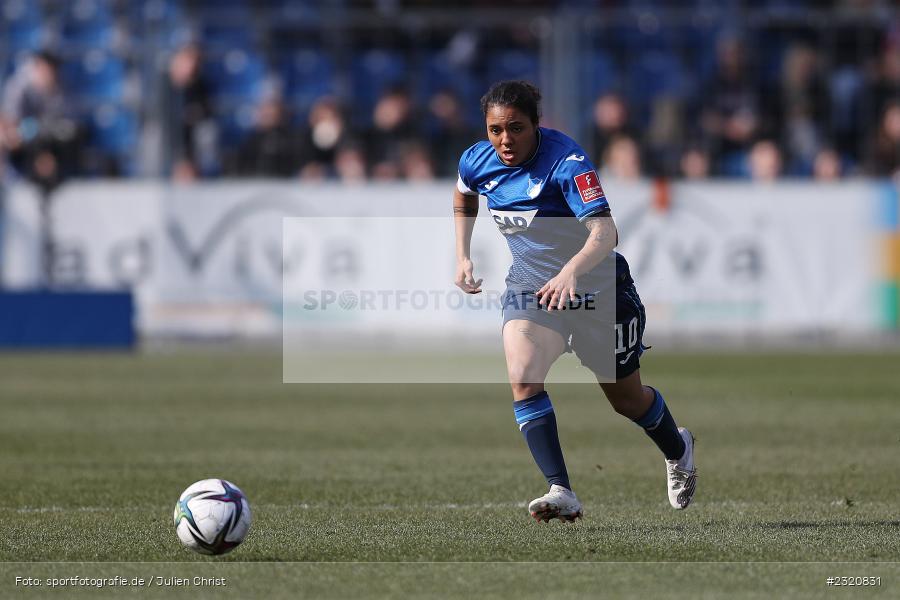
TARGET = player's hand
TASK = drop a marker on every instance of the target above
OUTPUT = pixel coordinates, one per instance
(465, 280)
(557, 292)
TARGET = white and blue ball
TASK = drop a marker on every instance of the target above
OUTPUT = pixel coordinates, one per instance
(212, 516)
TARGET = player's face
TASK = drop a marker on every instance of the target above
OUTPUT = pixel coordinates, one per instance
(511, 133)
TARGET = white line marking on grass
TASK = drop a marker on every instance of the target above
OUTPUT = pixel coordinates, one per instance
(55, 509)
(736, 506)
(390, 507)
(302, 505)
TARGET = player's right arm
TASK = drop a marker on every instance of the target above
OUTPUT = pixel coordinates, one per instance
(465, 209)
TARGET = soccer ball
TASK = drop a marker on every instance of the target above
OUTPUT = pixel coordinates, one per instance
(212, 516)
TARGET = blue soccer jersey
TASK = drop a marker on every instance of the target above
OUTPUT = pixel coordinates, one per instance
(559, 182)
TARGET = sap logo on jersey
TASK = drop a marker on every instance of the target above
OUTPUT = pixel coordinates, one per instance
(588, 186)
(513, 221)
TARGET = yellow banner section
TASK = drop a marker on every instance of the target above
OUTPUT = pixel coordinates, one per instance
(891, 253)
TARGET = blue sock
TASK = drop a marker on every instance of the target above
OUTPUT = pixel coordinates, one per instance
(660, 426)
(537, 422)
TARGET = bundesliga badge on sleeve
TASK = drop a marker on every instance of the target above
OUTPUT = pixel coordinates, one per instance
(589, 186)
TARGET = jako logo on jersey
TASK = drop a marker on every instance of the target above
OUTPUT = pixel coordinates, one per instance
(490, 185)
(534, 187)
(513, 221)
(589, 186)
(577, 157)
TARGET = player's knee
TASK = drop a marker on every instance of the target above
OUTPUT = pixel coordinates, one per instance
(526, 390)
(523, 374)
(523, 381)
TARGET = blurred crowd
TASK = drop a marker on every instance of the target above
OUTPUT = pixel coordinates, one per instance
(214, 108)
(806, 122)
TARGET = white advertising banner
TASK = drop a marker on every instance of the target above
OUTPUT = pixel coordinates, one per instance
(207, 259)
(742, 257)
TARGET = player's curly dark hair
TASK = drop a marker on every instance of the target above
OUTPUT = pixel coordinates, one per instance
(520, 94)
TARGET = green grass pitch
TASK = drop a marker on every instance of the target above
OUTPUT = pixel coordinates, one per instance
(384, 491)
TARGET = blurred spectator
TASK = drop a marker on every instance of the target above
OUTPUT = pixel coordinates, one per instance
(855, 34)
(8, 137)
(695, 164)
(393, 126)
(730, 111)
(350, 163)
(884, 147)
(327, 130)
(886, 86)
(185, 111)
(827, 165)
(415, 162)
(765, 161)
(622, 159)
(838, 69)
(610, 119)
(39, 130)
(273, 146)
(799, 106)
(664, 136)
(451, 135)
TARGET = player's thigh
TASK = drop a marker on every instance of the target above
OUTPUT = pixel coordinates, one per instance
(531, 349)
(612, 349)
(631, 319)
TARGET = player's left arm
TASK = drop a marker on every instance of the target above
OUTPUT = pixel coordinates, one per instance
(600, 243)
(580, 186)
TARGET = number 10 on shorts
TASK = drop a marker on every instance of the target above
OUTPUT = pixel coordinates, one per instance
(632, 335)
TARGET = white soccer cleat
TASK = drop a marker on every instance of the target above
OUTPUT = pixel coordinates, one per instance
(681, 474)
(559, 503)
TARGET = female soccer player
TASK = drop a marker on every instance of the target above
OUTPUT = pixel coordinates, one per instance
(529, 173)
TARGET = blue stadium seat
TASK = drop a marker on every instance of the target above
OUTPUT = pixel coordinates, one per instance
(87, 24)
(21, 11)
(221, 37)
(699, 39)
(21, 26)
(644, 31)
(654, 74)
(372, 72)
(24, 39)
(440, 75)
(114, 129)
(307, 74)
(237, 74)
(159, 24)
(784, 8)
(8, 66)
(735, 164)
(513, 64)
(84, 12)
(235, 120)
(768, 49)
(226, 24)
(236, 12)
(155, 12)
(598, 74)
(96, 76)
(295, 11)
